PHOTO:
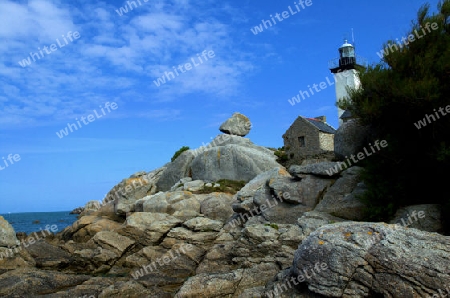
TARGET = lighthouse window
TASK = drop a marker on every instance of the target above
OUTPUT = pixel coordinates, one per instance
(301, 141)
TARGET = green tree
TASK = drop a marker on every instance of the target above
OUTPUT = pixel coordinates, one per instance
(411, 83)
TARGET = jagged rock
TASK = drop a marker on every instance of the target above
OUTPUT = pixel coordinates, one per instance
(425, 217)
(350, 138)
(91, 207)
(77, 210)
(232, 162)
(317, 169)
(31, 282)
(342, 199)
(87, 226)
(176, 170)
(238, 125)
(149, 228)
(128, 191)
(7, 234)
(368, 259)
(308, 191)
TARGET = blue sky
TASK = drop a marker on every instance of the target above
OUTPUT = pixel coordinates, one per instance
(115, 59)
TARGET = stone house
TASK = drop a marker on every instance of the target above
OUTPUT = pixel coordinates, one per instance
(309, 138)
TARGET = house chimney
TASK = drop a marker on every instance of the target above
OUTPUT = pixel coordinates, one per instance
(321, 119)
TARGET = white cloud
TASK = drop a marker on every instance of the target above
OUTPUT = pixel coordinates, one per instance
(115, 58)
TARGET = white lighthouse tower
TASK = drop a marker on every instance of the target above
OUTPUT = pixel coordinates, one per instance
(345, 72)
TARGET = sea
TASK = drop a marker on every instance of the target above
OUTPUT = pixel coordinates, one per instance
(29, 222)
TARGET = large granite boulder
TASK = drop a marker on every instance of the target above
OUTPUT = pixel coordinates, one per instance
(176, 170)
(350, 138)
(233, 162)
(7, 234)
(238, 125)
(373, 259)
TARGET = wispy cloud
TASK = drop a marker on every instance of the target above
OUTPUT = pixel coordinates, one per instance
(115, 59)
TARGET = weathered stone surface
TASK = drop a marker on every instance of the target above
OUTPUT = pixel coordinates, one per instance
(176, 170)
(256, 191)
(7, 234)
(308, 191)
(342, 200)
(87, 226)
(181, 204)
(90, 207)
(318, 169)
(217, 206)
(48, 256)
(197, 238)
(148, 228)
(350, 138)
(195, 185)
(203, 224)
(112, 241)
(311, 221)
(367, 259)
(425, 217)
(132, 289)
(128, 191)
(232, 162)
(227, 284)
(238, 125)
(31, 282)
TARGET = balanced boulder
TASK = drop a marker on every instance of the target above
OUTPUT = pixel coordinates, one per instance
(238, 125)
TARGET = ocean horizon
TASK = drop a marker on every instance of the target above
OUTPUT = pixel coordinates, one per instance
(29, 222)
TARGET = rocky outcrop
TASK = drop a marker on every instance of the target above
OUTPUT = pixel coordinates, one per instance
(128, 191)
(7, 234)
(238, 125)
(77, 210)
(367, 259)
(232, 162)
(169, 233)
(425, 217)
(176, 170)
(350, 138)
(31, 282)
(343, 198)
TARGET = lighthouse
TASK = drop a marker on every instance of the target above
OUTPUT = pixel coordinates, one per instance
(345, 72)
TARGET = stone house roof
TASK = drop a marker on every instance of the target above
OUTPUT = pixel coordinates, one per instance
(320, 125)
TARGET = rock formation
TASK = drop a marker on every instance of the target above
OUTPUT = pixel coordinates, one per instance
(284, 234)
(238, 125)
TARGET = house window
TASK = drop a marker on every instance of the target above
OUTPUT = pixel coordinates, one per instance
(301, 141)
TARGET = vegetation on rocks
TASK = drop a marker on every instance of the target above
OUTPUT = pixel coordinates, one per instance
(409, 85)
(226, 186)
(178, 153)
